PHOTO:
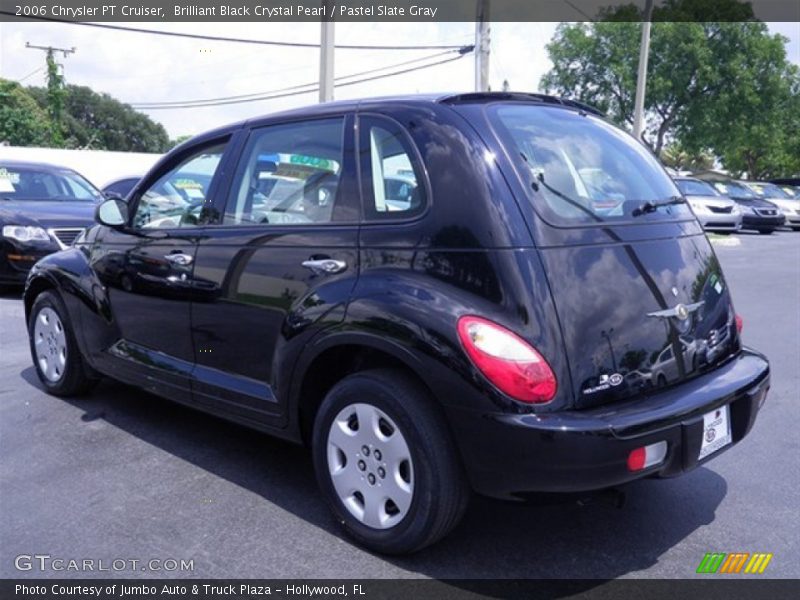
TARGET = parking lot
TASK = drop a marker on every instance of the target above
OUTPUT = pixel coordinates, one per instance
(125, 475)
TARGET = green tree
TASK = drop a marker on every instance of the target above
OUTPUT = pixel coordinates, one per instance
(22, 121)
(706, 73)
(178, 141)
(681, 159)
(762, 119)
(98, 121)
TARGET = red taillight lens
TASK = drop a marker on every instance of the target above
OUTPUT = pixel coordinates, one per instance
(505, 359)
(647, 456)
(739, 324)
(636, 459)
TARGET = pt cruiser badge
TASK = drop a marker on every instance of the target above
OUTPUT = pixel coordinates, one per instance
(679, 311)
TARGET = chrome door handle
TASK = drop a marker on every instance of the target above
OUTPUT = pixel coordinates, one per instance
(179, 258)
(325, 265)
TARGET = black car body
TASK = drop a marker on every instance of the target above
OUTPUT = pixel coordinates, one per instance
(43, 209)
(505, 317)
(757, 214)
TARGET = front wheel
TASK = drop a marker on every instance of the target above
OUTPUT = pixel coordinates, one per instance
(386, 463)
(55, 353)
(765, 231)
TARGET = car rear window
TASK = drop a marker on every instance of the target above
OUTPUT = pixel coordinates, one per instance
(583, 170)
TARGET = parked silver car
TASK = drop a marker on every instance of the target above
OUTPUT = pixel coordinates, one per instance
(714, 211)
(787, 203)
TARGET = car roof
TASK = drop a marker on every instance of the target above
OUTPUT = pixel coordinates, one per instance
(34, 165)
(339, 106)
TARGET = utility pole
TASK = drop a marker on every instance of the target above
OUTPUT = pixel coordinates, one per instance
(326, 50)
(641, 78)
(482, 46)
(55, 89)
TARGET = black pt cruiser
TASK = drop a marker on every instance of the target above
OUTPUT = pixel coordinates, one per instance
(493, 292)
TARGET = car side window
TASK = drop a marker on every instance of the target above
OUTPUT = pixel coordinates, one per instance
(177, 197)
(392, 176)
(289, 174)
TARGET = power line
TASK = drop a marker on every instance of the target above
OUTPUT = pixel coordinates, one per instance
(215, 38)
(146, 104)
(273, 95)
(31, 74)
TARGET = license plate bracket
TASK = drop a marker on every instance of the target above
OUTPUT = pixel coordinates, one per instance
(716, 431)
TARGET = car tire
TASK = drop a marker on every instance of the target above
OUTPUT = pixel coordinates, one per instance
(765, 231)
(56, 356)
(412, 491)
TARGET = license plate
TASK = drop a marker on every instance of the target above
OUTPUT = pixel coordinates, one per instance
(716, 431)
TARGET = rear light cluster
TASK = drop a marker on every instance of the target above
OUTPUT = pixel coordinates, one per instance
(739, 324)
(647, 456)
(508, 361)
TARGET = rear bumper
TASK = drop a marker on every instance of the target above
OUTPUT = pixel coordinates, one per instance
(573, 451)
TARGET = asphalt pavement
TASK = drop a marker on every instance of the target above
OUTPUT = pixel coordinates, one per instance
(123, 475)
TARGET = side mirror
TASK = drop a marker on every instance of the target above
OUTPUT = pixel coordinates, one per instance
(112, 213)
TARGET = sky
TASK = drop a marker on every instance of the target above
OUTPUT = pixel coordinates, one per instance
(144, 68)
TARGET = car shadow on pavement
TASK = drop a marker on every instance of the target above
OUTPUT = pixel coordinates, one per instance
(549, 537)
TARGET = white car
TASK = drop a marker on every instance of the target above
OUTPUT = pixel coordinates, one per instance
(714, 211)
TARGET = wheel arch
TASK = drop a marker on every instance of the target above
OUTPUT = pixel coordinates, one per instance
(34, 288)
(336, 357)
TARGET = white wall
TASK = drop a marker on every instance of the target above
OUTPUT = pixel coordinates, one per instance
(98, 166)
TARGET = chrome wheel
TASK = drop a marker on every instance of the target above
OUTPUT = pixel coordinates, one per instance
(370, 466)
(50, 342)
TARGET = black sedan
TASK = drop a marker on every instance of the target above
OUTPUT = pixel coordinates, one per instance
(43, 208)
(757, 213)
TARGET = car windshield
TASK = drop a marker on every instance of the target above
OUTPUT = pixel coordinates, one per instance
(735, 190)
(792, 192)
(770, 190)
(41, 184)
(583, 170)
(693, 187)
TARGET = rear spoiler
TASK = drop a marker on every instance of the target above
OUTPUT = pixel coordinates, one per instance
(520, 97)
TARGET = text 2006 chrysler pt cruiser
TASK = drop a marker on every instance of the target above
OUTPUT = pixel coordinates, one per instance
(491, 292)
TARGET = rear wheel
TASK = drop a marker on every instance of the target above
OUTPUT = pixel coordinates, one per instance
(386, 464)
(765, 231)
(56, 356)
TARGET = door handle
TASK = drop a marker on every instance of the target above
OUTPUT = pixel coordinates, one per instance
(325, 265)
(179, 258)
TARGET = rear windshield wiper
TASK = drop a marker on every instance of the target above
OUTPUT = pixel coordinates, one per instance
(539, 177)
(649, 207)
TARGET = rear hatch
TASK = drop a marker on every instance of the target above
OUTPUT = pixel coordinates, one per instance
(640, 296)
(640, 316)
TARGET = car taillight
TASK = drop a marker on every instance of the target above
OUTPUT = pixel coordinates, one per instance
(647, 456)
(739, 324)
(505, 359)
